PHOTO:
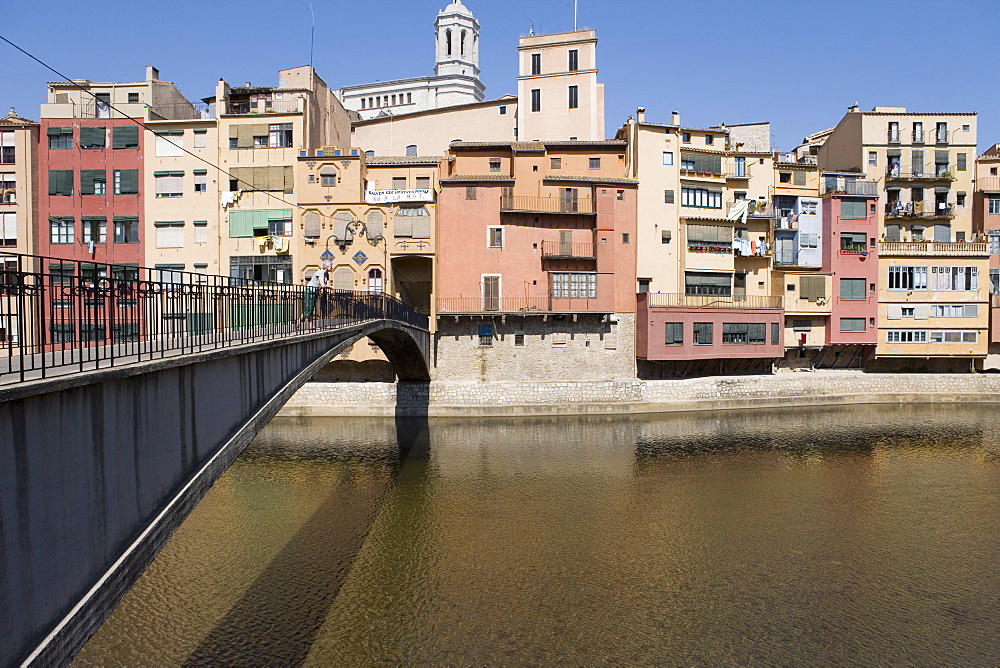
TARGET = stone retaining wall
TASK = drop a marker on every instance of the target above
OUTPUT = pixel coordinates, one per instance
(639, 396)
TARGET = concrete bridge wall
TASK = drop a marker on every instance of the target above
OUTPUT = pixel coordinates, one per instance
(98, 469)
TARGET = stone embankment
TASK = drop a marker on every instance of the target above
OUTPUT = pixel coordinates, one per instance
(785, 389)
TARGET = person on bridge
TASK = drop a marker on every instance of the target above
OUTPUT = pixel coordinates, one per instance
(316, 284)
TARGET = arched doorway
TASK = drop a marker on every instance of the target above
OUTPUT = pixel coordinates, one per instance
(375, 281)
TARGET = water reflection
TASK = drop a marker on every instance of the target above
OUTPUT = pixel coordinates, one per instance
(862, 534)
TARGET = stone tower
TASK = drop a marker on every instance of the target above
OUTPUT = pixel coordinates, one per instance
(457, 37)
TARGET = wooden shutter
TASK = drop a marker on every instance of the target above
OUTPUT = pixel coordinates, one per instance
(375, 222)
(60, 181)
(125, 136)
(93, 137)
(244, 136)
(311, 221)
(402, 225)
(566, 242)
(491, 293)
(422, 225)
(893, 311)
(87, 179)
(798, 178)
(240, 224)
(812, 287)
(340, 223)
(276, 178)
(917, 161)
(343, 278)
(289, 179)
(129, 181)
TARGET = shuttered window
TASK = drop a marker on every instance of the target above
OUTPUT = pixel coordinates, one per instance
(60, 139)
(812, 288)
(243, 223)
(60, 181)
(853, 289)
(341, 225)
(853, 209)
(668, 196)
(798, 178)
(8, 228)
(708, 284)
(93, 137)
(200, 231)
(852, 324)
(960, 162)
(343, 278)
(701, 162)
(126, 229)
(375, 222)
(126, 181)
(169, 143)
(674, 333)
(244, 133)
(274, 178)
(917, 162)
(125, 136)
(169, 184)
(169, 234)
(311, 222)
(413, 221)
(93, 182)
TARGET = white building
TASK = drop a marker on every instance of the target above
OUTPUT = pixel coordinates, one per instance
(455, 80)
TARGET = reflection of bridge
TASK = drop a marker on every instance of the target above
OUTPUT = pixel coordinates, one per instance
(124, 393)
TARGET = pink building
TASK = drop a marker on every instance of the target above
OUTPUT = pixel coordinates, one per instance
(536, 261)
(850, 254)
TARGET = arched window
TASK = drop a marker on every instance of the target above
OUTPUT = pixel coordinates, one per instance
(411, 149)
(375, 281)
(447, 42)
(461, 44)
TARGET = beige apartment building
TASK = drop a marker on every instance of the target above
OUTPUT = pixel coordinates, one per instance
(18, 185)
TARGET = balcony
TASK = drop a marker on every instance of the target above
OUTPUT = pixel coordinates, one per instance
(720, 247)
(530, 204)
(930, 248)
(461, 305)
(925, 210)
(921, 175)
(860, 187)
(700, 174)
(245, 108)
(988, 184)
(854, 249)
(661, 299)
(738, 174)
(757, 209)
(559, 250)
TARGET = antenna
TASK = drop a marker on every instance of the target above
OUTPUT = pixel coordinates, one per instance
(574, 14)
(312, 33)
(531, 31)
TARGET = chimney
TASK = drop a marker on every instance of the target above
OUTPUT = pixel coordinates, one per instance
(248, 84)
(853, 109)
(675, 118)
(640, 114)
(152, 74)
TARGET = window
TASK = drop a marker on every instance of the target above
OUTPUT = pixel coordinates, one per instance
(328, 177)
(595, 163)
(906, 336)
(668, 196)
(893, 131)
(574, 286)
(852, 242)
(960, 162)
(852, 324)
(126, 229)
(907, 311)
(643, 286)
(625, 238)
(620, 195)
(494, 237)
(495, 165)
(784, 177)
(703, 333)
(169, 143)
(753, 333)
(740, 168)
(7, 148)
(260, 141)
(798, 178)
(674, 333)
(279, 135)
(93, 182)
(519, 339)
(126, 181)
(200, 180)
(872, 159)
(279, 227)
(125, 136)
(954, 310)
(574, 60)
(200, 138)
(705, 283)
(853, 289)
(960, 199)
(536, 99)
(536, 63)
(411, 150)
(93, 137)
(399, 183)
(556, 163)
(470, 192)
(942, 133)
(61, 182)
(171, 274)
(234, 142)
(503, 109)
(423, 183)
(954, 337)
(491, 293)
(200, 232)
(61, 230)
(485, 336)
(8, 228)
(709, 139)
(668, 157)
(169, 184)
(994, 205)
(702, 198)
(853, 209)
(812, 288)
(574, 97)
(686, 137)
(60, 139)
(907, 278)
(169, 234)
(918, 132)
(954, 278)
(710, 238)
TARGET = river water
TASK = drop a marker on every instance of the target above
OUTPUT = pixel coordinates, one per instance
(858, 535)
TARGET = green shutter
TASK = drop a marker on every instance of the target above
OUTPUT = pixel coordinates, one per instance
(87, 178)
(169, 173)
(129, 182)
(199, 171)
(240, 224)
(960, 162)
(279, 214)
(853, 209)
(812, 288)
(60, 181)
(93, 137)
(125, 136)
(55, 132)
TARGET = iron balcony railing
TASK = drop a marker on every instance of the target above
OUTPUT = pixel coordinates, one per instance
(664, 299)
(244, 107)
(931, 174)
(491, 304)
(60, 316)
(843, 186)
(919, 210)
(554, 204)
(564, 249)
(962, 248)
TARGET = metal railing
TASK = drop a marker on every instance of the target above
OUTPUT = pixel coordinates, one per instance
(554, 249)
(60, 316)
(844, 186)
(492, 304)
(919, 210)
(932, 174)
(242, 107)
(662, 299)
(552, 204)
(933, 248)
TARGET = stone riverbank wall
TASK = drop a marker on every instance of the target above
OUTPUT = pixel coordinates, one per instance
(638, 396)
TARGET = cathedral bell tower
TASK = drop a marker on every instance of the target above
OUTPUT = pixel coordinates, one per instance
(457, 34)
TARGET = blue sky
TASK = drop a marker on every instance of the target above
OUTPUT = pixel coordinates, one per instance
(796, 63)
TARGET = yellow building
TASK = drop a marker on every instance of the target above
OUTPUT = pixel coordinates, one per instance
(18, 187)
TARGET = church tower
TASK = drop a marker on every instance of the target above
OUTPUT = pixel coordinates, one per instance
(457, 42)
